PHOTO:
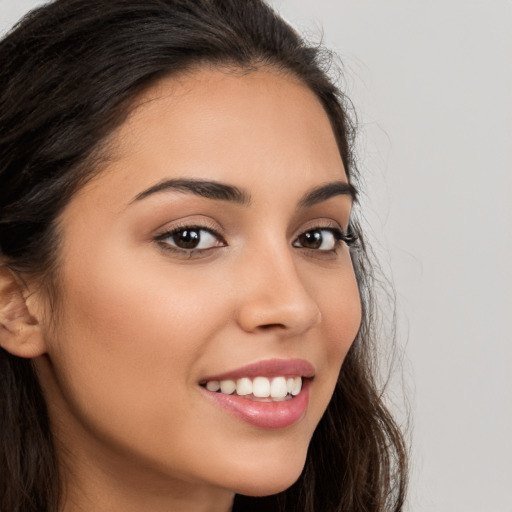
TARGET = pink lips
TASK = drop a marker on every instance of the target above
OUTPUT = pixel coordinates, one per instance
(269, 368)
(268, 415)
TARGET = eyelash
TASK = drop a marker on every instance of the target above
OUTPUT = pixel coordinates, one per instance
(347, 237)
(192, 251)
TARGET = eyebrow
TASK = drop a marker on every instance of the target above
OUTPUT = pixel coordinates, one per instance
(223, 192)
(208, 189)
(325, 192)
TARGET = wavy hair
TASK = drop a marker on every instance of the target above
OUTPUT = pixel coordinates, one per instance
(70, 71)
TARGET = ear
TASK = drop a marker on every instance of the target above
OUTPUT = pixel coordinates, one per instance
(20, 331)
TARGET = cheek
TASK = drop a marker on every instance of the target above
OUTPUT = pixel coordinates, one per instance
(129, 336)
(139, 303)
(342, 318)
(339, 303)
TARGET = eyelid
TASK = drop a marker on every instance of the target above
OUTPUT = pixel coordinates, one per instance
(335, 231)
(170, 229)
(347, 236)
(321, 223)
(167, 234)
(189, 223)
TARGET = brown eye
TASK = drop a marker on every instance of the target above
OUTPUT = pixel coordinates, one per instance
(311, 239)
(187, 238)
(318, 239)
(191, 238)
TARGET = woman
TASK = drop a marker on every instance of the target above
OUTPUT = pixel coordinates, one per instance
(184, 293)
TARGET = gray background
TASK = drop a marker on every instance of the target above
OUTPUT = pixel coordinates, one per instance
(432, 82)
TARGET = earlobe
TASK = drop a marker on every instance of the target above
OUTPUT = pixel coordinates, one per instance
(20, 331)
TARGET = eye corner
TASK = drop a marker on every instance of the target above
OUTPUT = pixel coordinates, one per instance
(351, 236)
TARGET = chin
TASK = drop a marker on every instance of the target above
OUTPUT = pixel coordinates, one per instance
(271, 479)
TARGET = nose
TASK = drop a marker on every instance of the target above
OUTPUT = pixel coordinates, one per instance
(273, 296)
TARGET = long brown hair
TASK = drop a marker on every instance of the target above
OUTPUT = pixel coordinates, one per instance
(69, 72)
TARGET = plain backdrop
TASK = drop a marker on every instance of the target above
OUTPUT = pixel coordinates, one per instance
(432, 84)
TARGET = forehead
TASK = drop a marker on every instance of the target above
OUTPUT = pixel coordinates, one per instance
(241, 128)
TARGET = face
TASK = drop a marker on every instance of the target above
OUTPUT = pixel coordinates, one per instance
(211, 251)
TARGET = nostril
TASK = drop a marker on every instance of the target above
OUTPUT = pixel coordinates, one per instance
(272, 326)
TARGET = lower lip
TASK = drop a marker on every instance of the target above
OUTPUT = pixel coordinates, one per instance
(269, 415)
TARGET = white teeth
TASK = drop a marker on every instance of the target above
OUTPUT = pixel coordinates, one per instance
(244, 386)
(227, 386)
(261, 387)
(297, 386)
(213, 385)
(277, 388)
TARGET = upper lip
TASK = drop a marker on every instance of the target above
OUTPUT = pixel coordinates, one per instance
(268, 368)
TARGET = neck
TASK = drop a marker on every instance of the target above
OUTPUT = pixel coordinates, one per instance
(109, 493)
(96, 480)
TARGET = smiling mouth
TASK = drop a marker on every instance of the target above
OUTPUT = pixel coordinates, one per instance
(258, 389)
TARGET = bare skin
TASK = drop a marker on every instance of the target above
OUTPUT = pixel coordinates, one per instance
(142, 321)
